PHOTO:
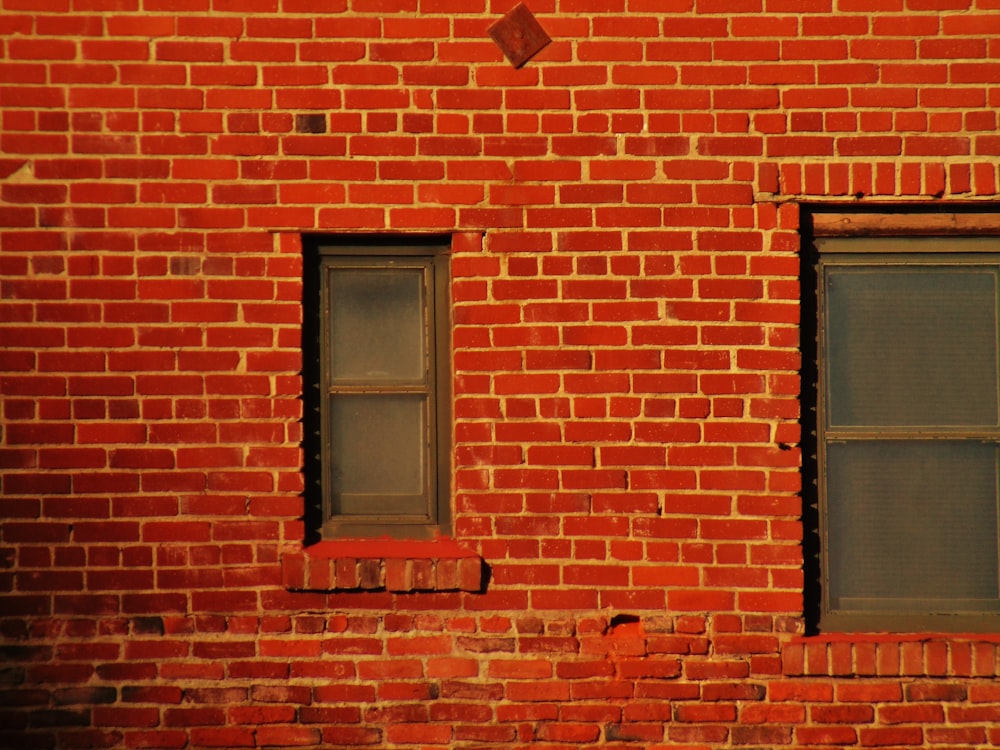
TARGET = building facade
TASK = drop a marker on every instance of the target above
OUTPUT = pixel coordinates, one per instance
(465, 374)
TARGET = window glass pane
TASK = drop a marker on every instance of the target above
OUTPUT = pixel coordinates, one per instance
(912, 520)
(911, 345)
(378, 445)
(377, 326)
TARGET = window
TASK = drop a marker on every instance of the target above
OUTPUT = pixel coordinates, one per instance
(379, 350)
(908, 432)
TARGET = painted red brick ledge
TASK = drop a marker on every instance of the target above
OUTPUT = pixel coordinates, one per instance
(383, 564)
(893, 655)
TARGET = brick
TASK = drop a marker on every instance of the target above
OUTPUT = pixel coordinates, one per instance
(879, 737)
(826, 736)
(930, 691)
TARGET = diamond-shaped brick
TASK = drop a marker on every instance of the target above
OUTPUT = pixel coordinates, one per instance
(519, 35)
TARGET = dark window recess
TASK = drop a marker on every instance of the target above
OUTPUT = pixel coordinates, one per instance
(378, 424)
(908, 430)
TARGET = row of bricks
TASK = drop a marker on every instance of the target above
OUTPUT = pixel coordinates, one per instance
(84, 407)
(676, 377)
(754, 477)
(550, 734)
(641, 358)
(199, 36)
(648, 227)
(871, 179)
(636, 205)
(747, 132)
(303, 572)
(358, 625)
(936, 657)
(472, 148)
(556, 455)
(623, 83)
(611, 40)
(718, 559)
(412, 218)
(545, 678)
(42, 300)
(444, 18)
(89, 287)
(721, 8)
(978, 655)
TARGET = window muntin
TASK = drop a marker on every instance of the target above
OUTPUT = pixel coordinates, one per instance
(383, 378)
(908, 432)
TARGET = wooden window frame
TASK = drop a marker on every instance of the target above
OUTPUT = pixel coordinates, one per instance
(431, 255)
(903, 223)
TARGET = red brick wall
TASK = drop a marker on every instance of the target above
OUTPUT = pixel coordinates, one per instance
(626, 391)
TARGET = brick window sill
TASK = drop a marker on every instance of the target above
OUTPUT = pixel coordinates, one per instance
(383, 565)
(893, 655)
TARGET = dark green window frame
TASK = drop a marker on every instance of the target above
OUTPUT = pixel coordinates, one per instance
(908, 450)
(380, 364)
